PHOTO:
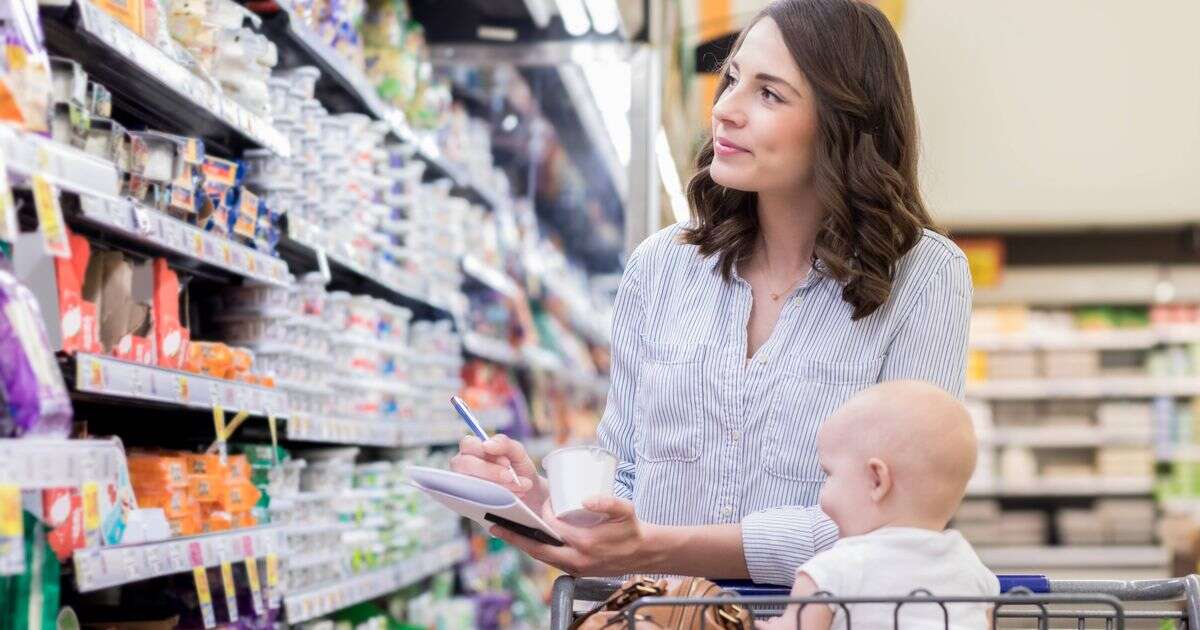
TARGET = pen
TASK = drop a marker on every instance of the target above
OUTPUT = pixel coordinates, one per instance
(464, 412)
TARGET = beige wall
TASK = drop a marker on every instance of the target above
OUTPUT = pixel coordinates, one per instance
(1055, 112)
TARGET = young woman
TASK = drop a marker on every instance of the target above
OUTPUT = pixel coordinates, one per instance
(810, 269)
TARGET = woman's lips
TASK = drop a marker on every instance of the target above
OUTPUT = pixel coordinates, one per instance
(725, 148)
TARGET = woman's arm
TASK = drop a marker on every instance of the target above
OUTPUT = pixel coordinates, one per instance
(931, 343)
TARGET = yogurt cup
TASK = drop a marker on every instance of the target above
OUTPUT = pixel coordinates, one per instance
(577, 473)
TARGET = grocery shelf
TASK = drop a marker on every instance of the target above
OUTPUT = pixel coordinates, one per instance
(1117, 339)
(106, 567)
(1067, 437)
(189, 247)
(490, 349)
(1099, 387)
(303, 254)
(1082, 487)
(327, 598)
(1108, 557)
(68, 168)
(373, 432)
(33, 463)
(96, 375)
(489, 276)
(542, 359)
(146, 81)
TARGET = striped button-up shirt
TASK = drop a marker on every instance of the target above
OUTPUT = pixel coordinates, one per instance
(705, 437)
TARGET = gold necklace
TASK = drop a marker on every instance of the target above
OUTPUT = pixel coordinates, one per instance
(775, 295)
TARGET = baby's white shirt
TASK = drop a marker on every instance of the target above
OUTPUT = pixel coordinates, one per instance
(893, 562)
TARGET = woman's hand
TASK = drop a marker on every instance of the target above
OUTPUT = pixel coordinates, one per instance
(490, 460)
(617, 546)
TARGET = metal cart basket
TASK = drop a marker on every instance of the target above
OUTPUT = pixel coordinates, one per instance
(1028, 601)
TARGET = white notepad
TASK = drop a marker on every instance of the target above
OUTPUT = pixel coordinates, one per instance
(482, 501)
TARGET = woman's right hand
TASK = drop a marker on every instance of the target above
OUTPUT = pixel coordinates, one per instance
(490, 460)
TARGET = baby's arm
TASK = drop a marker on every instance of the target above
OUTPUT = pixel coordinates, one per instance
(813, 617)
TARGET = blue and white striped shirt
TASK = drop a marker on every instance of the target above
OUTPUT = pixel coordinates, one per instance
(705, 438)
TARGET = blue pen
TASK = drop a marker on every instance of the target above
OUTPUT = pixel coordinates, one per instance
(464, 412)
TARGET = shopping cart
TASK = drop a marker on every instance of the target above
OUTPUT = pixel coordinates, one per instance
(1029, 601)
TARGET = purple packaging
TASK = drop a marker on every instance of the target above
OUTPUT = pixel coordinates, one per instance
(37, 398)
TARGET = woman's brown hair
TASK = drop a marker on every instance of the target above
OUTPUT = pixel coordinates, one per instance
(864, 161)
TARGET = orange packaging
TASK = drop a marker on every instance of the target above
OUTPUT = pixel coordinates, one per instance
(131, 13)
(238, 496)
(162, 471)
(206, 464)
(175, 503)
(244, 519)
(239, 468)
(185, 526)
(210, 357)
(206, 488)
(77, 316)
(243, 360)
(215, 520)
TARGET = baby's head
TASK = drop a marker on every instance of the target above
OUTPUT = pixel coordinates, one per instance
(899, 453)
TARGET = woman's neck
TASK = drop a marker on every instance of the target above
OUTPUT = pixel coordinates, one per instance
(788, 225)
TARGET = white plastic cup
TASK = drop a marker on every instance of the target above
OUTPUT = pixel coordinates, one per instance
(576, 474)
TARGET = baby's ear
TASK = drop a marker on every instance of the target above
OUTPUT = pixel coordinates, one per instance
(881, 478)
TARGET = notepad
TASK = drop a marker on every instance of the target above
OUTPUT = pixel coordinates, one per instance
(482, 501)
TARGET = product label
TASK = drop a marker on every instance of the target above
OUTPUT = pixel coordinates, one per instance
(247, 214)
(182, 394)
(273, 581)
(12, 549)
(230, 591)
(205, 596)
(8, 208)
(50, 217)
(91, 512)
(255, 588)
(193, 151)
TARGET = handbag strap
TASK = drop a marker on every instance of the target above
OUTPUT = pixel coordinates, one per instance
(627, 594)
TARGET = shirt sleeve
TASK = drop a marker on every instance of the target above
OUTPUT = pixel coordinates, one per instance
(777, 541)
(618, 430)
(931, 344)
(832, 571)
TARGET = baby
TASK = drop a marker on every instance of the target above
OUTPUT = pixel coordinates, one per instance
(898, 456)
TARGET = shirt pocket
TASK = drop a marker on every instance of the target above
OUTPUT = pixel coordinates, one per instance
(669, 401)
(808, 392)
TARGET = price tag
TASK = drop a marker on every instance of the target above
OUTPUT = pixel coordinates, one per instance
(141, 220)
(182, 394)
(205, 596)
(219, 425)
(274, 427)
(8, 208)
(198, 244)
(12, 531)
(226, 254)
(230, 591)
(50, 218)
(252, 263)
(273, 581)
(94, 375)
(91, 513)
(255, 587)
(323, 265)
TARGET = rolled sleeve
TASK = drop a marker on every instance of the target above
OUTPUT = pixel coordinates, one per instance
(778, 541)
(618, 429)
(931, 343)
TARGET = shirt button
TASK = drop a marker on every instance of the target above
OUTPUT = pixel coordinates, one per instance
(735, 436)
(763, 359)
(726, 511)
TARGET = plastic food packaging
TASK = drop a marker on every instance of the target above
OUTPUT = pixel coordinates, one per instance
(171, 339)
(37, 398)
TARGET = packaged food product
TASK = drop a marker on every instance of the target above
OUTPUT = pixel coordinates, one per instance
(174, 502)
(78, 325)
(37, 398)
(162, 471)
(62, 509)
(171, 338)
(25, 84)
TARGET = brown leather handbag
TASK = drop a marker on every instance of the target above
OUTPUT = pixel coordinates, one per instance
(723, 617)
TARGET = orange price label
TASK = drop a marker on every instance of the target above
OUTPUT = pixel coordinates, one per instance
(183, 392)
(10, 512)
(91, 506)
(50, 217)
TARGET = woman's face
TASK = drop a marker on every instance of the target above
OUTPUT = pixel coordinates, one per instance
(765, 122)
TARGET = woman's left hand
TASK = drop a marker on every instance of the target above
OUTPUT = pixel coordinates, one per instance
(615, 547)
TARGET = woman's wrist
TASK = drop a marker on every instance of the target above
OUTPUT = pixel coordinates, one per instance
(660, 543)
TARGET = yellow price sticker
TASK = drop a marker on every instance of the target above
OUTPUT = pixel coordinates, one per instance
(96, 375)
(50, 218)
(198, 243)
(202, 585)
(255, 588)
(10, 512)
(230, 591)
(272, 570)
(91, 506)
(183, 393)
(8, 207)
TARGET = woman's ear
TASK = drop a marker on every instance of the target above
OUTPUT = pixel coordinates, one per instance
(881, 478)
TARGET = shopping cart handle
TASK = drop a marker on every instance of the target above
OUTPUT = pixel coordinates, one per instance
(1035, 583)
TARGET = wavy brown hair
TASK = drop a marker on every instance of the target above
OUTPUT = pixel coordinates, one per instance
(864, 161)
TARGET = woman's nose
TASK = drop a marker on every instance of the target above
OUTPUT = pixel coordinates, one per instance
(727, 111)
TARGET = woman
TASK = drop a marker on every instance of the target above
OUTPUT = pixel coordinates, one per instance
(810, 270)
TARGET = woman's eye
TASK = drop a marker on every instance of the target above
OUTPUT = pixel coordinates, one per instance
(732, 80)
(768, 95)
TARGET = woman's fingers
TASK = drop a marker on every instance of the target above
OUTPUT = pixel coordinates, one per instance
(483, 469)
(502, 446)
